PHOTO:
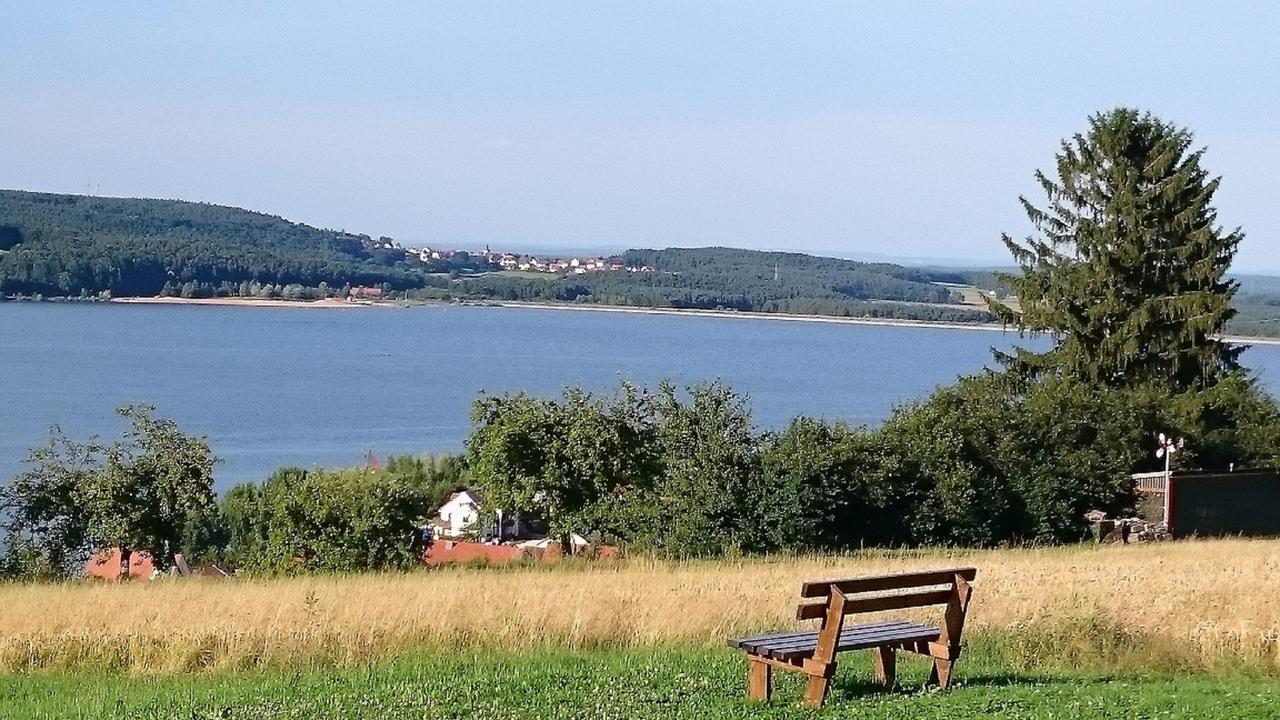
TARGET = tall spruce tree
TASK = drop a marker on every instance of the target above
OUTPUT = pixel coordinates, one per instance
(1129, 274)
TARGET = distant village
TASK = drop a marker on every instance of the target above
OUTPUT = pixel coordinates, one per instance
(506, 260)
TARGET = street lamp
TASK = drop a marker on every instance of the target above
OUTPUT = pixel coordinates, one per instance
(1165, 448)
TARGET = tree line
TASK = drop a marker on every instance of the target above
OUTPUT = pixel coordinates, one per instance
(996, 459)
(723, 290)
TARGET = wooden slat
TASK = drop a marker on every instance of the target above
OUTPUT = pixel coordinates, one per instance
(767, 643)
(852, 639)
(773, 640)
(776, 663)
(873, 639)
(897, 581)
(862, 642)
(754, 639)
(817, 609)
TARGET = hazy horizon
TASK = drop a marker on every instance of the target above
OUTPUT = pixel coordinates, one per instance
(832, 129)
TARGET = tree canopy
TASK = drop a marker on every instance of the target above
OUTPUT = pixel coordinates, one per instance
(136, 494)
(1129, 270)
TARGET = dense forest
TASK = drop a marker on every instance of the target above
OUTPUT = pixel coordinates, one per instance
(657, 291)
(65, 245)
(733, 279)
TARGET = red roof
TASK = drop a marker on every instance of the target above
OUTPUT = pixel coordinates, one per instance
(443, 552)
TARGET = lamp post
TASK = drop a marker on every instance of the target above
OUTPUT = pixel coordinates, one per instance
(1165, 448)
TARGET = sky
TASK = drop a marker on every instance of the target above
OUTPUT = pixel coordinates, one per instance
(852, 129)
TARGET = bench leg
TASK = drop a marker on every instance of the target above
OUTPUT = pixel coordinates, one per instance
(884, 665)
(941, 672)
(759, 681)
(815, 692)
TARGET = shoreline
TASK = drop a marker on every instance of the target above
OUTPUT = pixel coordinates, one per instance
(530, 305)
(334, 303)
(748, 315)
(246, 302)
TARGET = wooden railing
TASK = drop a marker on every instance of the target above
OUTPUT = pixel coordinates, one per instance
(1152, 482)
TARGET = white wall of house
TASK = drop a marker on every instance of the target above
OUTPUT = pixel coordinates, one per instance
(458, 514)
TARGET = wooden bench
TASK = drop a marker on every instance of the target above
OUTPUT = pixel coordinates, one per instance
(814, 653)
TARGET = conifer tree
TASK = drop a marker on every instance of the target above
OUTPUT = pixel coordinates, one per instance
(1128, 274)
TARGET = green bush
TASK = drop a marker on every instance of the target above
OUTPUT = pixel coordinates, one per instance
(994, 459)
(336, 520)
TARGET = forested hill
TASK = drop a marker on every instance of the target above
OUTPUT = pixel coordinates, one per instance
(67, 244)
(813, 276)
(73, 245)
(746, 280)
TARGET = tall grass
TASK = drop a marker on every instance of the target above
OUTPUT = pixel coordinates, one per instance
(1201, 603)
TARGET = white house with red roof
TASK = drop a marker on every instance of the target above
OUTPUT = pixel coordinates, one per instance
(461, 514)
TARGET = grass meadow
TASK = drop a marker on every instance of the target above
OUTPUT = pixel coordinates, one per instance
(1186, 629)
(629, 684)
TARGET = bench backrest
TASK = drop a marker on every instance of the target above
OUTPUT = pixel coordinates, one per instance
(931, 587)
(832, 600)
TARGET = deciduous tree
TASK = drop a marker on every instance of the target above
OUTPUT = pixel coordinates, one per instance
(136, 494)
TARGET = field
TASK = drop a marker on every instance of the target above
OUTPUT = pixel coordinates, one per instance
(1179, 629)
(632, 684)
(970, 295)
(1208, 602)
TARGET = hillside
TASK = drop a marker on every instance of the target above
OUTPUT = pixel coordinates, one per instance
(64, 244)
(73, 245)
(746, 280)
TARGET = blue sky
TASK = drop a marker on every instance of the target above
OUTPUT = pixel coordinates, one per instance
(848, 128)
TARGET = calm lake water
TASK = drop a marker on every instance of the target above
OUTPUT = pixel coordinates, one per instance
(280, 386)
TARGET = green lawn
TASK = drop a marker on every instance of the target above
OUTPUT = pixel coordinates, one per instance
(639, 684)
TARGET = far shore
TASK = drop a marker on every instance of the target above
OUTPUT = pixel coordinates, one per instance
(335, 303)
(625, 309)
(746, 315)
(248, 302)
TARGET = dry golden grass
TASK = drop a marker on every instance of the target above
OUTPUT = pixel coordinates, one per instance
(1214, 600)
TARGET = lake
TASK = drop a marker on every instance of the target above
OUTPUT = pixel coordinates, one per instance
(302, 386)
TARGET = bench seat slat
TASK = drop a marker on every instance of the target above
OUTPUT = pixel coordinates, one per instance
(866, 629)
(860, 643)
(859, 637)
(769, 642)
(743, 641)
